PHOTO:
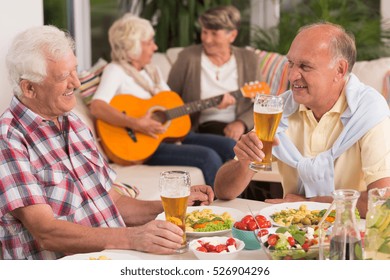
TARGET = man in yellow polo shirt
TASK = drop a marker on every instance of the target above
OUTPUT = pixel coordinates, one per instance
(334, 133)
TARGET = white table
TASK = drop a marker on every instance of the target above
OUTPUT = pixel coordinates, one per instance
(238, 203)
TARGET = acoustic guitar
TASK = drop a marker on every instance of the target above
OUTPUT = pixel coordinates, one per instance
(126, 147)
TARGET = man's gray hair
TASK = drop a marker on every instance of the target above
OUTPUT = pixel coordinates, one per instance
(29, 51)
(342, 43)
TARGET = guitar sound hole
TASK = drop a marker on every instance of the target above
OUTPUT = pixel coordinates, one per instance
(160, 116)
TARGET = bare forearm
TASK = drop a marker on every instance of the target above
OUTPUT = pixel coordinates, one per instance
(103, 111)
(62, 236)
(138, 212)
(232, 179)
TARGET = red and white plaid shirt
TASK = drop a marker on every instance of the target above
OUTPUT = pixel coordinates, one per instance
(39, 164)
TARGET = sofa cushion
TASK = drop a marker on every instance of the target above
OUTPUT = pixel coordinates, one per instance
(89, 80)
(373, 72)
(173, 53)
(163, 64)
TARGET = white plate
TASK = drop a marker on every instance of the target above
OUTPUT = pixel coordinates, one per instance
(268, 211)
(109, 255)
(236, 215)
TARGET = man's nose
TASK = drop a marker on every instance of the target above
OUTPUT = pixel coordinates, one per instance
(294, 74)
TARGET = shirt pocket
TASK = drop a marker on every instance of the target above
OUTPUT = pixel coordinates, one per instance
(61, 189)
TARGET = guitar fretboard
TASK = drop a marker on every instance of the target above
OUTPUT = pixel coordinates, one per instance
(197, 106)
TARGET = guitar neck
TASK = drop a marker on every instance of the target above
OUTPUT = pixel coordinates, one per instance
(197, 106)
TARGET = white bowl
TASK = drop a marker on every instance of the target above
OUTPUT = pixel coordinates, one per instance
(213, 255)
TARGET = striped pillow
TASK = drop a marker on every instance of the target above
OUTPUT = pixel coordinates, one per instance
(90, 80)
(386, 87)
(125, 189)
(274, 68)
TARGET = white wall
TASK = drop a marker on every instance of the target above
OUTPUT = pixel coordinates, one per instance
(15, 16)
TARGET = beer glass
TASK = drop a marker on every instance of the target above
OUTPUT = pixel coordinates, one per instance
(267, 111)
(174, 191)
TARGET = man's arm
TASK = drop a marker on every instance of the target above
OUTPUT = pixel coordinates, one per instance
(232, 179)
(234, 176)
(134, 211)
(158, 237)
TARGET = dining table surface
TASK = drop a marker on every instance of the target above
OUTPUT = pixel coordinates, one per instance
(240, 204)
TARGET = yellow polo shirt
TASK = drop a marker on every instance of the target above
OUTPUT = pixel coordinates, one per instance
(365, 162)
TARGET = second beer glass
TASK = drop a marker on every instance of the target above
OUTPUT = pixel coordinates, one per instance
(174, 191)
(267, 112)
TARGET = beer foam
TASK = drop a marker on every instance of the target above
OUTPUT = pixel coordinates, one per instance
(175, 193)
(267, 110)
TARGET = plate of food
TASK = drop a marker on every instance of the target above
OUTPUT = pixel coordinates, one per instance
(208, 220)
(303, 213)
(104, 255)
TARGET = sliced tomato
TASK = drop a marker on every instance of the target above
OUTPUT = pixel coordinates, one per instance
(209, 247)
(272, 239)
(262, 232)
(231, 241)
(221, 247)
(306, 246)
(240, 225)
(201, 249)
(260, 218)
(252, 225)
(291, 240)
(246, 219)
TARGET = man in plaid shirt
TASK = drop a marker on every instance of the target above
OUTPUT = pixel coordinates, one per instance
(55, 188)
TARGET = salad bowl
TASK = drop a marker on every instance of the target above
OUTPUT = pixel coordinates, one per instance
(293, 243)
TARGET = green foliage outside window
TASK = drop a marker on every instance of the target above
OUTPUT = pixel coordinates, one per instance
(360, 17)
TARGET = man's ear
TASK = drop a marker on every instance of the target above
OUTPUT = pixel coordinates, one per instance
(342, 69)
(27, 88)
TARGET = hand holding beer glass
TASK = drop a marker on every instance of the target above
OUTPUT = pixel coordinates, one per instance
(267, 111)
(175, 187)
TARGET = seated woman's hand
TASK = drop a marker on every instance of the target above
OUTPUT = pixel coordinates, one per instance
(147, 125)
(234, 130)
(201, 195)
(226, 101)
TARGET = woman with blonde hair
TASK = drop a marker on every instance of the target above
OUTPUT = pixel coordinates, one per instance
(130, 72)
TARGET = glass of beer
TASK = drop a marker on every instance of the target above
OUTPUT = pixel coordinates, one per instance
(174, 191)
(267, 111)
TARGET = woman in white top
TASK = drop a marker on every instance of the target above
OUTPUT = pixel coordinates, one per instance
(130, 72)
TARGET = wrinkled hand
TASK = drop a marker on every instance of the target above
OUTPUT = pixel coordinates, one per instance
(249, 147)
(157, 237)
(227, 100)
(149, 126)
(234, 130)
(289, 198)
(201, 195)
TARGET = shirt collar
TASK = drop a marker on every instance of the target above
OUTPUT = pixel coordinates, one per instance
(26, 117)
